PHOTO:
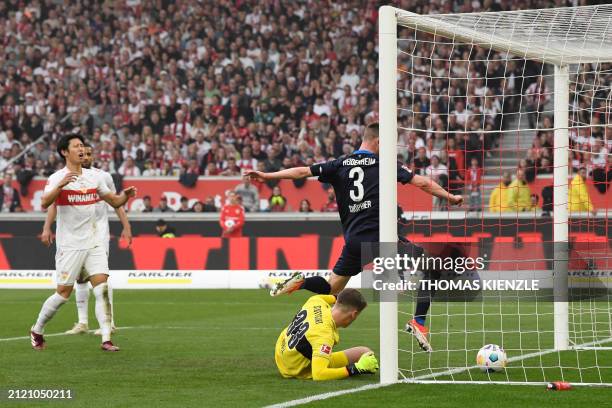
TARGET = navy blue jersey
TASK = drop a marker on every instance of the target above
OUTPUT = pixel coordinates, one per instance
(355, 181)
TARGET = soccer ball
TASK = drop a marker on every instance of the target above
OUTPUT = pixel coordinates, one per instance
(491, 358)
(230, 223)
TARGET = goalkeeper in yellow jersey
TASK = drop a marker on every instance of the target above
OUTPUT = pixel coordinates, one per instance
(305, 348)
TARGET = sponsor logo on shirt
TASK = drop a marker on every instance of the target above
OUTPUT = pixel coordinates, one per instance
(83, 196)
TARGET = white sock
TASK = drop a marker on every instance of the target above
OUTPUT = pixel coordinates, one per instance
(103, 310)
(48, 310)
(112, 305)
(82, 301)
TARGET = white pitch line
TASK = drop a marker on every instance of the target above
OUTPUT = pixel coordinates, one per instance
(62, 334)
(327, 395)
(332, 394)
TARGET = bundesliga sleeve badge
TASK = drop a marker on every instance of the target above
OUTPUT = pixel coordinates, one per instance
(325, 349)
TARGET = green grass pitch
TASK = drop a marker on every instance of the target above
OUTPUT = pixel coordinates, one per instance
(214, 348)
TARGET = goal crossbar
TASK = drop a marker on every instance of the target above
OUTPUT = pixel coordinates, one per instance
(554, 35)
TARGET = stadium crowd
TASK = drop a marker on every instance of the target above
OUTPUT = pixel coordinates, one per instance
(203, 88)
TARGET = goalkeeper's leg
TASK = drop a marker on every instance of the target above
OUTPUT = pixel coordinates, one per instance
(348, 356)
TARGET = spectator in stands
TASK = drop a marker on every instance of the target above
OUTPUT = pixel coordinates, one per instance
(249, 195)
(500, 197)
(545, 166)
(247, 162)
(537, 96)
(462, 114)
(164, 230)
(128, 168)
(232, 216)
(184, 207)
(470, 147)
(25, 173)
(455, 164)
(530, 165)
(534, 201)
(599, 159)
(330, 205)
(305, 206)
(232, 170)
(163, 205)
(579, 198)
(146, 204)
(277, 202)
(9, 196)
(197, 207)
(473, 181)
(519, 193)
(209, 204)
(421, 162)
(150, 170)
(438, 172)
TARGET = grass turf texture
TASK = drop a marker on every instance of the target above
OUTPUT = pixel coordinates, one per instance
(192, 348)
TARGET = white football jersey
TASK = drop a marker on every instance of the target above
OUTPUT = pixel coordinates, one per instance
(102, 209)
(76, 208)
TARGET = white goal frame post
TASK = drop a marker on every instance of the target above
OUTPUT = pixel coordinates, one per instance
(525, 37)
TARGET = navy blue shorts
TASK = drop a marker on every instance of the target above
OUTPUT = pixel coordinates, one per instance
(355, 256)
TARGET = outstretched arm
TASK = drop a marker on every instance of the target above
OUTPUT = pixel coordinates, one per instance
(117, 200)
(433, 188)
(294, 173)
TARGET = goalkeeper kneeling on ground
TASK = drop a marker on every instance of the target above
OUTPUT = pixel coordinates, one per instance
(304, 348)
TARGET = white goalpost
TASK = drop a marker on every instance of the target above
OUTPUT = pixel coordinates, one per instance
(430, 68)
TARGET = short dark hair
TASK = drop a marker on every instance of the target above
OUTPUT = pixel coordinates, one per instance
(87, 144)
(64, 142)
(371, 131)
(351, 298)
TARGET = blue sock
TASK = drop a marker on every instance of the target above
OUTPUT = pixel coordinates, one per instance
(420, 320)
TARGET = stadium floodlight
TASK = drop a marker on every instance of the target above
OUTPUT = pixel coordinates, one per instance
(571, 50)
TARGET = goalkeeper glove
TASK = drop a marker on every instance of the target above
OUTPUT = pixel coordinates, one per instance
(367, 364)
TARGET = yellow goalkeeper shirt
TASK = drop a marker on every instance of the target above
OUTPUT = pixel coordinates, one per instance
(304, 348)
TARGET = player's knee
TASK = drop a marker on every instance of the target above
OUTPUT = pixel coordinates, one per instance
(98, 279)
(364, 350)
(64, 291)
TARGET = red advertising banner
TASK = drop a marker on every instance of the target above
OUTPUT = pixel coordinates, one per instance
(410, 198)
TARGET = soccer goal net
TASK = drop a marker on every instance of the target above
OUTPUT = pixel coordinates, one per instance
(512, 110)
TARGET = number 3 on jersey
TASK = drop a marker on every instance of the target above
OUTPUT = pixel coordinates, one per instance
(356, 174)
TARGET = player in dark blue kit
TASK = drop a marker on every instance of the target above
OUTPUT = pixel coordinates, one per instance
(355, 182)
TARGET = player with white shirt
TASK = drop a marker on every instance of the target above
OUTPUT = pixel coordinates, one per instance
(75, 191)
(103, 236)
